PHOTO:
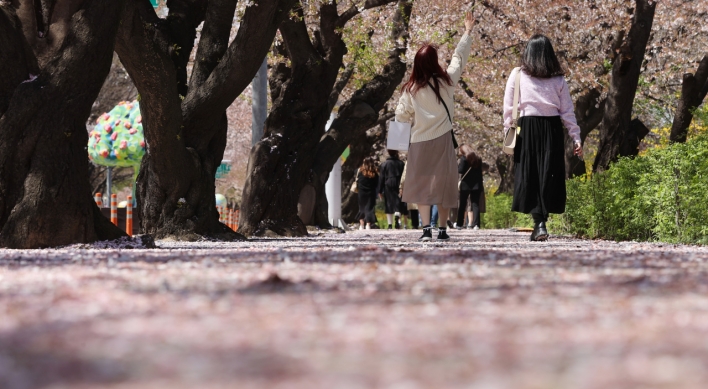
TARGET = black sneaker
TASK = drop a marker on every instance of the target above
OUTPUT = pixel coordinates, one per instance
(442, 234)
(449, 224)
(389, 227)
(427, 234)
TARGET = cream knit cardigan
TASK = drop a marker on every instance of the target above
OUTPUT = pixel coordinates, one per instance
(423, 110)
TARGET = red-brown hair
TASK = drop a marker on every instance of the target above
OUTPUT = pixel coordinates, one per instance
(472, 158)
(368, 168)
(426, 67)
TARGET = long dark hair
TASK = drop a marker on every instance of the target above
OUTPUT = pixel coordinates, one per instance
(472, 158)
(368, 168)
(539, 59)
(426, 68)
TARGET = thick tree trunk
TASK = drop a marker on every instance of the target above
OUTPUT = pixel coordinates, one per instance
(361, 111)
(589, 109)
(616, 137)
(117, 87)
(693, 91)
(280, 163)
(505, 167)
(279, 168)
(45, 197)
(185, 124)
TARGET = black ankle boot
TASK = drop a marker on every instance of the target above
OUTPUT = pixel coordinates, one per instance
(427, 234)
(540, 233)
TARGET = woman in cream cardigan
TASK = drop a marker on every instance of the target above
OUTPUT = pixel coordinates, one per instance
(427, 102)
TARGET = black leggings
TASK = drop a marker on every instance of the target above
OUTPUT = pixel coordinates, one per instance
(415, 218)
(473, 195)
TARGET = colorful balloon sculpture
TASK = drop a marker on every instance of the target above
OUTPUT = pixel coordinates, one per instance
(117, 139)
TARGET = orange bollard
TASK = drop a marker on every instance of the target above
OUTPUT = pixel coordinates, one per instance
(99, 199)
(114, 209)
(129, 216)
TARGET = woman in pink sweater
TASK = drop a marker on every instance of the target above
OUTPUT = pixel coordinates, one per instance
(545, 107)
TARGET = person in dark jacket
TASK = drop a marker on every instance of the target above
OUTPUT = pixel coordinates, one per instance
(367, 181)
(471, 185)
(390, 175)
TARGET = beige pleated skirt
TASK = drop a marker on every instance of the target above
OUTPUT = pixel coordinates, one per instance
(431, 173)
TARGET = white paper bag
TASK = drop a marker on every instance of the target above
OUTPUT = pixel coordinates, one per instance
(399, 136)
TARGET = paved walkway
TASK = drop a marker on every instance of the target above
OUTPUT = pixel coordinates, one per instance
(365, 309)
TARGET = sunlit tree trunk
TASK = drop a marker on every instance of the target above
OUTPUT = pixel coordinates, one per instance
(617, 136)
(693, 91)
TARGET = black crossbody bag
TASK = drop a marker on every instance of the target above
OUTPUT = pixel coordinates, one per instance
(454, 141)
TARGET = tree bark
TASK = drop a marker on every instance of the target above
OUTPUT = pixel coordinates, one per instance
(185, 124)
(117, 87)
(616, 137)
(52, 81)
(505, 167)
(693, 91)
(589, 110)
(361, 111)
(279, 168)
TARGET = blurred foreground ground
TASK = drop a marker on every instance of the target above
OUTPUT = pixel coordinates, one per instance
(366, 309)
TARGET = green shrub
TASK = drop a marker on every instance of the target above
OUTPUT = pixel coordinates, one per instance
(499, 214)
(659, 196)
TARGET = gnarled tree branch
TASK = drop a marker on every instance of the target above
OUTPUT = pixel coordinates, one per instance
(693, 91)
(238, 66)
(214, 40)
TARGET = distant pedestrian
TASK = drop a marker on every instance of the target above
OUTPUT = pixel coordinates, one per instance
(471, 186)
(544, 108)
(367, 181)
(427, 102)
(390, 175)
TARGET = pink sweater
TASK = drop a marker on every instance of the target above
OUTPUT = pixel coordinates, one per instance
(541, 97)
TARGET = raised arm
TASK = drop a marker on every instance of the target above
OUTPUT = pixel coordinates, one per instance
(462, 52)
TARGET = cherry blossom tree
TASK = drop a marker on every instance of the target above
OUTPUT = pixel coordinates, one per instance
(54, 57)
(184, 113)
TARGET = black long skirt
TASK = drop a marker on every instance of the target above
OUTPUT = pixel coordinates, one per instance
(367, 206)
(539, 162)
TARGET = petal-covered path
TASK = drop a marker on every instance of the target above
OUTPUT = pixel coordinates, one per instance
(365, 309)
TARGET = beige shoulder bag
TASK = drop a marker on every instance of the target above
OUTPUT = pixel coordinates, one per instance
(510, 136)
